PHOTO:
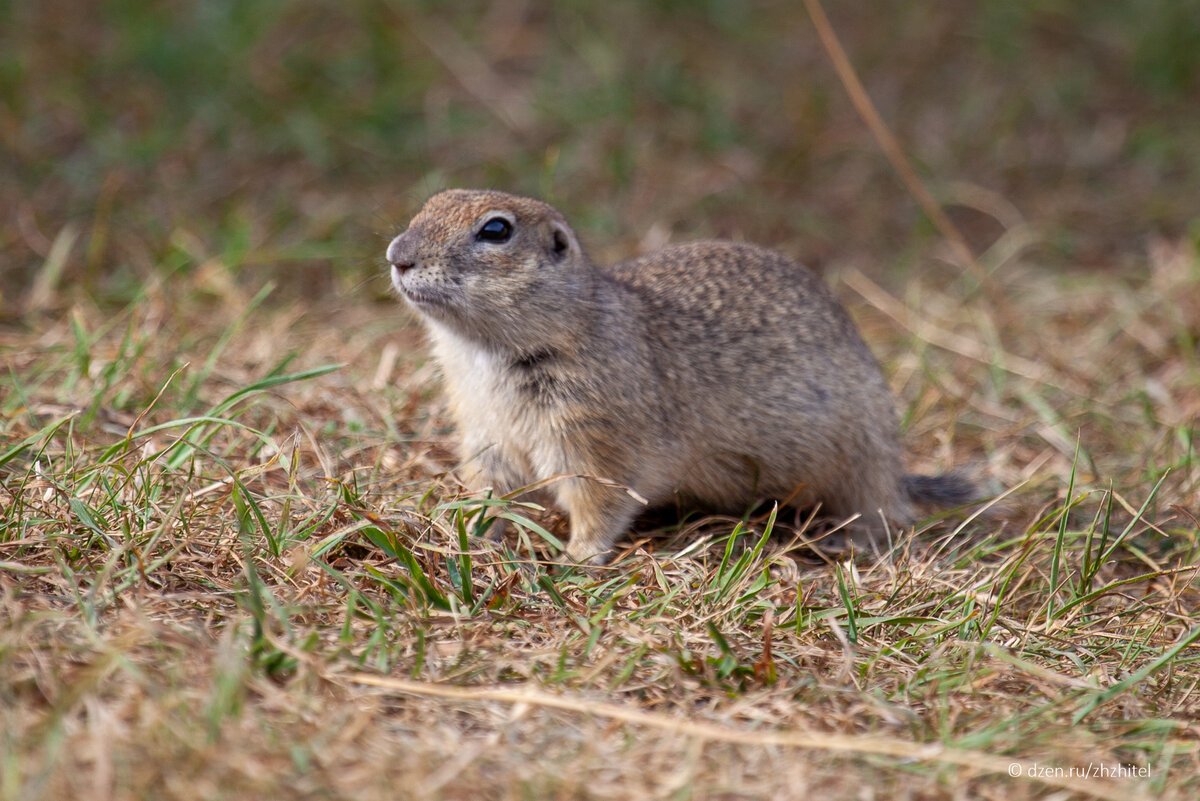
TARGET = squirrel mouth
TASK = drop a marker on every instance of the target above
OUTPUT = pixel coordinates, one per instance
(420, 294)
(423, 298)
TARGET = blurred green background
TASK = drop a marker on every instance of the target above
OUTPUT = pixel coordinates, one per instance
(289, 140)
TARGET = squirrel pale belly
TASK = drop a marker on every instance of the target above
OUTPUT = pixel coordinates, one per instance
(715, 373)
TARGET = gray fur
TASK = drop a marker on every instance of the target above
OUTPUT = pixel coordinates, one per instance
(714, 372)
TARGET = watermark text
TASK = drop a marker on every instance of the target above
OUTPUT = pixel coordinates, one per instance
(1092, 770)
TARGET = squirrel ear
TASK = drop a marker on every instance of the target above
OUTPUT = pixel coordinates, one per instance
(560, 241)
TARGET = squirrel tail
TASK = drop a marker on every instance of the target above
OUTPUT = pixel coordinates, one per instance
(946, 490)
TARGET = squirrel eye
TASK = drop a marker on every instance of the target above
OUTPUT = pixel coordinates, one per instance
(496, 229)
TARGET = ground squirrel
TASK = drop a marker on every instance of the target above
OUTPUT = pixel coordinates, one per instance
(717, 373)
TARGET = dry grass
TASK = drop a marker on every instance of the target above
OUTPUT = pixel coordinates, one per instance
(191, 595)
(234, 560)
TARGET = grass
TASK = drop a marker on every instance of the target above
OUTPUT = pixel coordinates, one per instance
(234, 559)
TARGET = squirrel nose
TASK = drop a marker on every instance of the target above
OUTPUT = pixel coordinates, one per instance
(401, 255)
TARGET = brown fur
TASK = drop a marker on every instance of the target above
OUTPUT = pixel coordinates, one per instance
(715, 372)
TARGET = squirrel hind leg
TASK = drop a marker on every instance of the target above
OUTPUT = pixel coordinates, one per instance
(882, 507)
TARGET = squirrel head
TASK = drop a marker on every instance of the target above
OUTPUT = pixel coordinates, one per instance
(490, 265)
